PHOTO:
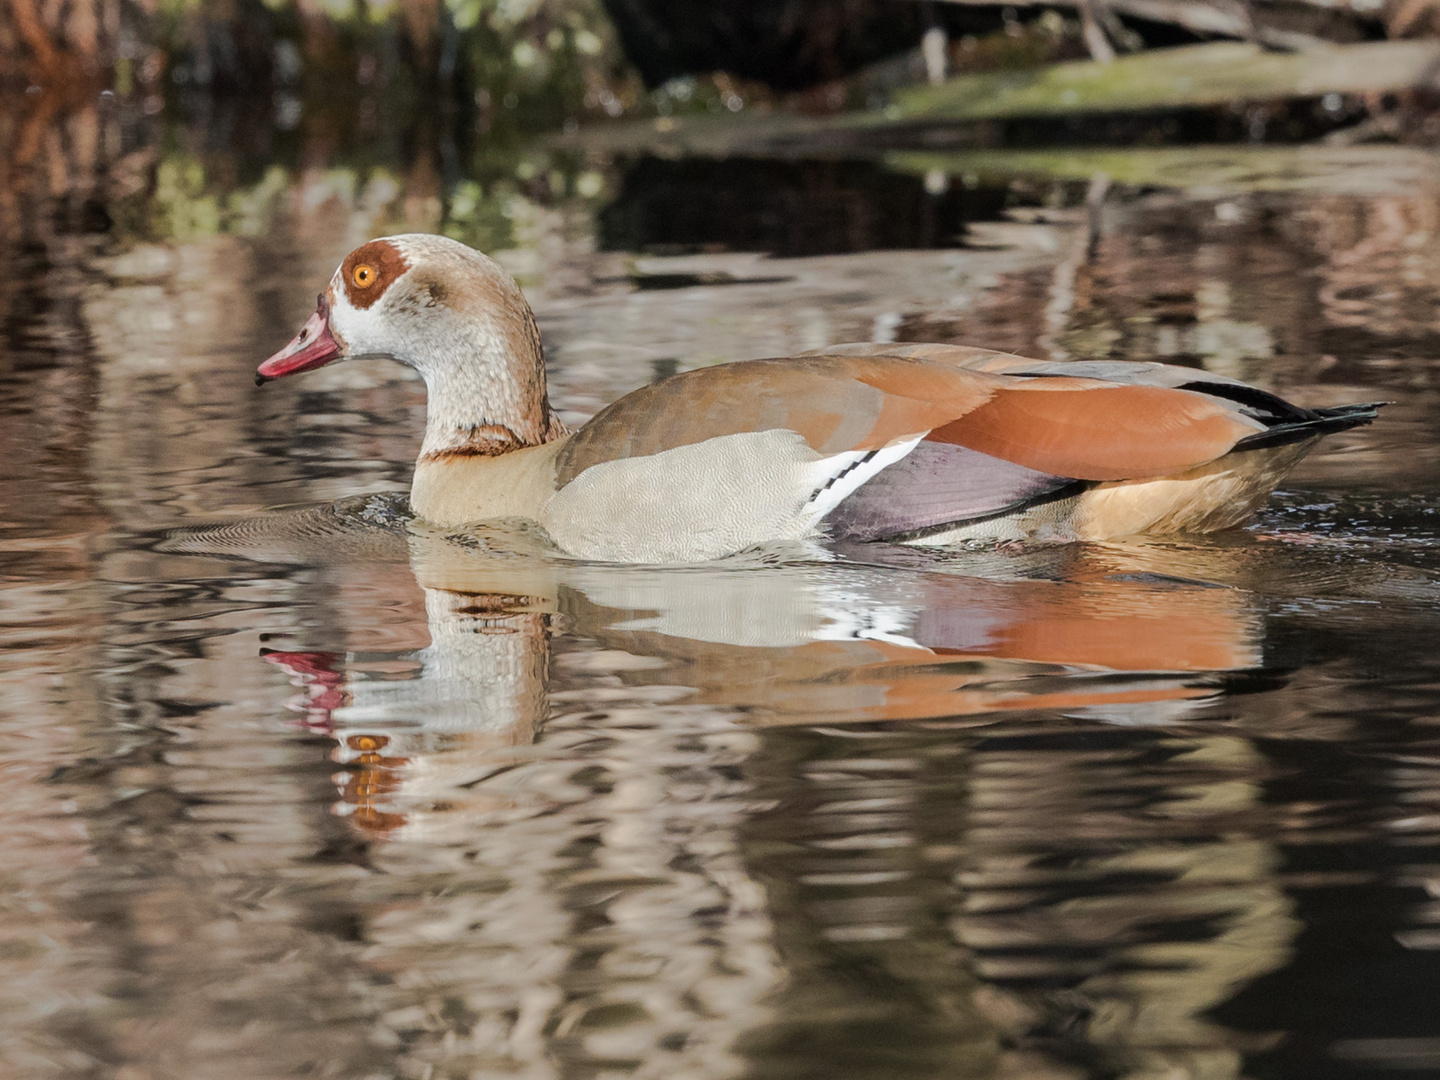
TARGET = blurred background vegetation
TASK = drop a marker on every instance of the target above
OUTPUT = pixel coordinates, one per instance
(539, 63)
(167, 118)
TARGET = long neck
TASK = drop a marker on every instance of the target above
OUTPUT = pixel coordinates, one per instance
(487, 392)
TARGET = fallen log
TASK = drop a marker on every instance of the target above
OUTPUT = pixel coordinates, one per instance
(1195, 76)
(1214, 75)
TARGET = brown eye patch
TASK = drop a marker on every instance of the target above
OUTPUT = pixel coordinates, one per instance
(369, 270)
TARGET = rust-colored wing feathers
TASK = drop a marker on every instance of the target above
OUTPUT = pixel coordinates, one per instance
(1084, 429)
(1099, 431)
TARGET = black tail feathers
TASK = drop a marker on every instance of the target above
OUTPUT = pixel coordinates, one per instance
(1318, 422)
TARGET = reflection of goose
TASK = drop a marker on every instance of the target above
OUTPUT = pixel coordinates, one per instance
(428, 731)
(923, 444)
(885, 646)
(793, 642)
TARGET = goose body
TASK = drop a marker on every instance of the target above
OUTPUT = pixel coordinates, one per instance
(921, 444)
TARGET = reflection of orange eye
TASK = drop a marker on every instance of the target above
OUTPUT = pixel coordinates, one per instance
(363, 275)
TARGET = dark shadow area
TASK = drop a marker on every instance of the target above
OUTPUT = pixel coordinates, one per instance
(786, 208)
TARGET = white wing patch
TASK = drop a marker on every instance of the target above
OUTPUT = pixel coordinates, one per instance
(849, 616)
(836, 477)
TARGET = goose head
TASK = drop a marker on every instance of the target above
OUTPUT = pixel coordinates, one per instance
(452, 314)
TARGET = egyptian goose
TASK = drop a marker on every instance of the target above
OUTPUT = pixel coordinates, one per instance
(919, 444)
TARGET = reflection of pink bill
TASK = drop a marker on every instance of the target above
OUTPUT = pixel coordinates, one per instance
(323, 681)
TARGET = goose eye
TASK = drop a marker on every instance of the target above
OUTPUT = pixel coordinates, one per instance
(363, 276)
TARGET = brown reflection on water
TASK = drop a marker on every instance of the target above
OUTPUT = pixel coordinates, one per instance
(947, 645)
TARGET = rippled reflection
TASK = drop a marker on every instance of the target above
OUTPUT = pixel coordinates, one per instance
(318, 792)
(672, 784)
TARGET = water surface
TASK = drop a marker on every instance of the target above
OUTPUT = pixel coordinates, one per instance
(316, 791)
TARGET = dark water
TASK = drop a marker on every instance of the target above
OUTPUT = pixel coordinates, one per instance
(318, 792)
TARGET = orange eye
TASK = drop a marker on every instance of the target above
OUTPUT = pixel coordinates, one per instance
(363, 275)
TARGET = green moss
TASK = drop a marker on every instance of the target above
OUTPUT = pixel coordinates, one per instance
(1195, 76)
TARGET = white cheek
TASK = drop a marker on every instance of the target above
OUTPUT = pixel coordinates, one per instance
(364, 331)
